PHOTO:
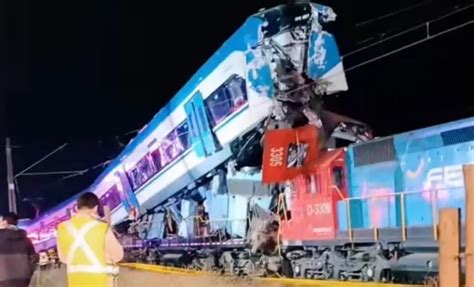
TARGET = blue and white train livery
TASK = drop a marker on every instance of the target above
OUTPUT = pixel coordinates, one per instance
(263, 65)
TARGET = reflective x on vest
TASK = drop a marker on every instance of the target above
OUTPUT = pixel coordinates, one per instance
(80, 243)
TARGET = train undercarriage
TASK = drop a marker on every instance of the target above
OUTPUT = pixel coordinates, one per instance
(262, 254)
(367, 264)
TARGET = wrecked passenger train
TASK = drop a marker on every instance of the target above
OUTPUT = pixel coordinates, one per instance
(272, 72)
(239, 172)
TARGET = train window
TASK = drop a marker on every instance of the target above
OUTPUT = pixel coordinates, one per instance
(146, 168)
(183, 134)
(133, 177)
(226, 99)
(338, 176)
(142, 172)
(237, 93)
(154, 153)
(111, 198)
(297, 154)
(166, 149)
(156, 158)
(174, 144)
(171, 147)
(219, 106)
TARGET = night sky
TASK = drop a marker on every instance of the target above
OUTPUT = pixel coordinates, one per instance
(86, 73)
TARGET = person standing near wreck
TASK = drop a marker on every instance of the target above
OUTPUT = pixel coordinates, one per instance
(88, 246)
(17, 254)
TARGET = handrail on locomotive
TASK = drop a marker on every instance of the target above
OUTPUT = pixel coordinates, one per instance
(400, 196)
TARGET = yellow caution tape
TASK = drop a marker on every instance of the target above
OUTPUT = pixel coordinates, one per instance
(162, 269)
(288, 281)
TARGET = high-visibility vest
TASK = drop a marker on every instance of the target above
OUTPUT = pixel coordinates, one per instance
(82, 241)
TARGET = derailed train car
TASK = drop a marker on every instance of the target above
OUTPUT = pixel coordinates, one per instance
(279, 53)
(195, 187)
(277, 65)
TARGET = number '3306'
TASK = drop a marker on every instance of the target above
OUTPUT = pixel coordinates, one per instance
(276, 156)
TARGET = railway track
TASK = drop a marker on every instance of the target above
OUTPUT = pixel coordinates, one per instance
(134, 274)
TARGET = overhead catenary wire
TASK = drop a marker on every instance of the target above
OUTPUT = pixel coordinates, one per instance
(86, 170)
(25, 172)
(40, 160)
(68, 173)
(131, 132)
(79, 172)
(406, 9)
(51, 173)
(427, 38)
(396, 35)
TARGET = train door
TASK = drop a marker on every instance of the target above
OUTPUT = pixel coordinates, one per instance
(338, 181)
(337, 187)
(200, 132)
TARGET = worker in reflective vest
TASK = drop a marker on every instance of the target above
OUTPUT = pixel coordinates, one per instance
(88, 246)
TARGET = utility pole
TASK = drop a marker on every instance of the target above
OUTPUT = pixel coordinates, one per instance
(11, 184)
